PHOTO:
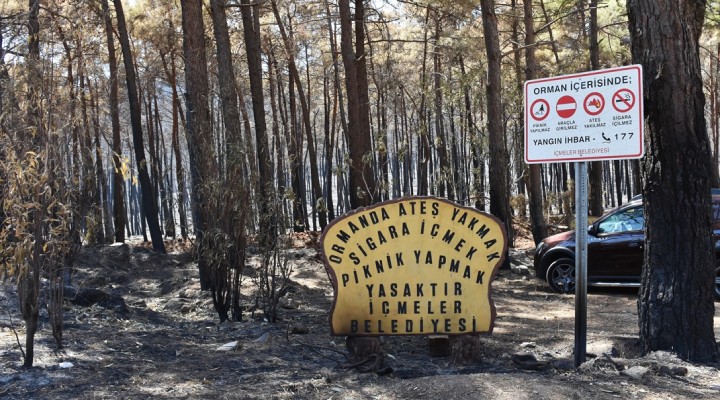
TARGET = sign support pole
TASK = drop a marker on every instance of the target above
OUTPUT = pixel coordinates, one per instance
(581, 234)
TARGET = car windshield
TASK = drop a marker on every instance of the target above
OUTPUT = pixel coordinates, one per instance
(631, 219)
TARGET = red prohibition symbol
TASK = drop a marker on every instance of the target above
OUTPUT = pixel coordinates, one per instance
(594, 103)
(623, 100)
(566, 107)
(540, 109)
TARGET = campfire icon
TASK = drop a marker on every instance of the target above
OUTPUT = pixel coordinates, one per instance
(594, 102)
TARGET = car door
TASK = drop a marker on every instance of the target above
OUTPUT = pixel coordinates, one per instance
(616, 249)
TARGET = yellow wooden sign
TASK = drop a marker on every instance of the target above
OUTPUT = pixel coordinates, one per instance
(416, 266)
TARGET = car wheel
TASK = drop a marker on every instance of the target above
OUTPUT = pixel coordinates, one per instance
(561, 275)
(717, 284)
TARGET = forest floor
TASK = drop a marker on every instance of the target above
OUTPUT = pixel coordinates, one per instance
(163, 340)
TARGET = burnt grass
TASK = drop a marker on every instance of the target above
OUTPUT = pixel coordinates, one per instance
(157, 336)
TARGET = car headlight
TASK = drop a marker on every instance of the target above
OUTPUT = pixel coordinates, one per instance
(539, 247)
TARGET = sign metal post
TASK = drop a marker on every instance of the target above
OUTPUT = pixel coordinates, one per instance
(581, 235)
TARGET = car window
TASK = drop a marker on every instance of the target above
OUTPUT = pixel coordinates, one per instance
(628, 220)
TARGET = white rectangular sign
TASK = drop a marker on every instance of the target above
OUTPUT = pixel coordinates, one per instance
(590, 116)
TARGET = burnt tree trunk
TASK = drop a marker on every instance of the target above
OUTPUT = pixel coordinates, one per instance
(28, 284)
(499, 159)
(226, 295)
(149, 203)
(265, 193)
(203, 165)
(595, 203)
(538, 226)
(675, 308)
(118, 187)
(171, 74)
(445, 181)
(362, 181)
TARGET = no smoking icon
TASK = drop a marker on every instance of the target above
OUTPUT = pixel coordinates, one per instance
(623, 100)
(540, 109)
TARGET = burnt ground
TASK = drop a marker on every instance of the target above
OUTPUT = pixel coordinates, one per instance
(162, 341)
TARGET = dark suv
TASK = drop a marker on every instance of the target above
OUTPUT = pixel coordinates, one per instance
(615, 250)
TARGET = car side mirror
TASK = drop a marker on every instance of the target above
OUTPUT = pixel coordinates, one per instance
(592, 230)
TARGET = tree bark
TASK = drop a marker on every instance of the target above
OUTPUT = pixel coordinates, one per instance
(90, 198)
(520, 167)
(295, 144)
(338, 97)
(28, 283)
(329, 129)
(118, 192)
(148, 199)
(445, 181)
(100, 174)
(203, 165)
(232, 217)
(595, 203)
(171, 74)
(273, 87)
(538, 226)
(499, 159)
(676, 307)
(265, 193)
(361, 178)
(423, 144)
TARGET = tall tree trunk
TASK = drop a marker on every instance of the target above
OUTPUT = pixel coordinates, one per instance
(637, 178)
(538, 226)
(100, 169)
(499, 160)
(295, 142)
(423, 144)
(118, 194)
(714, 115)
(329, 128)
(361, 177)
(445, 181)
(163, 187)
(676, 307)
(225, 292)
(521, 169)
(338, 96)
(149, 202)
(265, 193)
(4, 78)
(29, 282)
(595, 203)
(153, 140)
(228, 95)
(273, 87)
(229, 106)
(203, 164)
(618, 180)
(475, 192)
(90, 196)
(175, 141)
